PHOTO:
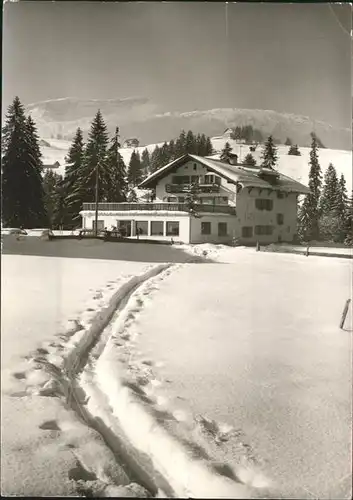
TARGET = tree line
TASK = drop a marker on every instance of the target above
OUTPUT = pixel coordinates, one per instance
(33, 198)
(326, 213)
(247, 133)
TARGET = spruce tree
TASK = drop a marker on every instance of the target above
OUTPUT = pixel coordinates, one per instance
(171, 148)
(180, 144)
(309, 213)
(348, 222)
(209, 148)
(269, 154)
(225, 151)
(53, 198)
(249, 160)
(288, 142)
(33, 144)
(294, 151)
(117, 186)
(342, 198)
(22, 183)
(165, 154)
(134, 176)
(38, 211)
(318, 140)
(190, 143)
(74, 160)
(155, 162)
(145, 163)
(94, 162)
(201, 145)
(329, 195)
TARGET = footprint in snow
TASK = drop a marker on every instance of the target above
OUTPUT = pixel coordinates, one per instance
(147, 362)
(19, 375)
(50, 425)
(41, 350)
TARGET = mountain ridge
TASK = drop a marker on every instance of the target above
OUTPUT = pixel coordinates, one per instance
(140, 117)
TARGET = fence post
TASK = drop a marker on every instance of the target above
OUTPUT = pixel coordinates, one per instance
(344, 313)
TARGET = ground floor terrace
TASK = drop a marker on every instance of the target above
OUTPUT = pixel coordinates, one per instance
(174, 222)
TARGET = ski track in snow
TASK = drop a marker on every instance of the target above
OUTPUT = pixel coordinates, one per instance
(73, 370)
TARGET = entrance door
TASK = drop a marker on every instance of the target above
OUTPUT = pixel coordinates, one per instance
(125, 227)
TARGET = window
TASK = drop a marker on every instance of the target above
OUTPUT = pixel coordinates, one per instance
(263, 230)
(172, 228)
(222, 229)
(195, 166)
(263, 204)
(205, 227)
(100, 224)
(211, 179)
(195, 179)
(246, 232)
(280, 219)
(280, 195)
(221, 200)
(207, 200)
(181, 199)
(156, 228)
(142, 227)
(172, 199)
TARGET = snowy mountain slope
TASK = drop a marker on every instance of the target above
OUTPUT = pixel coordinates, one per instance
(293, 166)
(297, 166)
(139, 117)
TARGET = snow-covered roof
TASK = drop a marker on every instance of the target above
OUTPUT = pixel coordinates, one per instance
(246, 176)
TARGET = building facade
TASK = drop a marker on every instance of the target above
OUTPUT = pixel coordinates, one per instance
(201, 199)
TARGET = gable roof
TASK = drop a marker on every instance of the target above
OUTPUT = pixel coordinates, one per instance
(236, 174)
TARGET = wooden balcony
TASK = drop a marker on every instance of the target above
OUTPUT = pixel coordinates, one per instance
(171, 207)
(184, 188)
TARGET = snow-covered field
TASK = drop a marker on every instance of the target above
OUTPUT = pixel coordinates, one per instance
(212, 381)
(39, 297)
(251, 356)
(297, 167)
(230, 255)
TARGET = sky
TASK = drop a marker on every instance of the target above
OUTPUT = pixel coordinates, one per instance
(293, 58)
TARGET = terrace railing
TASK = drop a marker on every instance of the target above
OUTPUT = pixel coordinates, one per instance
(172, 207)
(185, 188)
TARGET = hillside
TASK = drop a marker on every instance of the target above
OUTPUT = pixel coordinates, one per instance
(294, 166)
(139, 117)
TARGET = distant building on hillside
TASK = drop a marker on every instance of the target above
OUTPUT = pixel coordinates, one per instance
(131, 143)
(204, 199)
(51, 166)
(228, 133)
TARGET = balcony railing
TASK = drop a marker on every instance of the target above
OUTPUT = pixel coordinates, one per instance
(184, 188)
(172, 207)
